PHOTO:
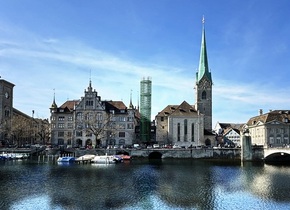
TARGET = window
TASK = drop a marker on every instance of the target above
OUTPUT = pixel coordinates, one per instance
(7, 113)
(79, 133)
(130, 119)
(185, 130)
(178, 131)
(70, 125)
(203, 95)
(89, 103)
(121, 134)
(61, 134)
(122, 119)
(162, 118)
(130, 126)
(99, 117)
(69, 133)
(79, 116)
(192, 131)
(60, 125)
(61, 118)
(70, 118)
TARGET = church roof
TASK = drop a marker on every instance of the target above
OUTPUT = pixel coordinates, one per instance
(183, 109)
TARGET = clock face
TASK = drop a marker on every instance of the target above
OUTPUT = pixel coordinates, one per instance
(6, 95)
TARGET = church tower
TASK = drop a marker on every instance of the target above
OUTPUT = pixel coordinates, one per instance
(203, 85)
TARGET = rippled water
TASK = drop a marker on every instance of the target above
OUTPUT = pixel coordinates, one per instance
(143, 184)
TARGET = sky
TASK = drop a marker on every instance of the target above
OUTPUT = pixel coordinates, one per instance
(57, 46)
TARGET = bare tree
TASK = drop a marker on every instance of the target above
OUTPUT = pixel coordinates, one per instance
(42, 131)
(99, 124)
(21, 131)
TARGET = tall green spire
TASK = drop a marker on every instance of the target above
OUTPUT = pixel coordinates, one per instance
(203, 63)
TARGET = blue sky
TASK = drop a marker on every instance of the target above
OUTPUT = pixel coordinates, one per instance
(61, 44)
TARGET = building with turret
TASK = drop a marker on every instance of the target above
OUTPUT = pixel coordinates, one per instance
(92, 122)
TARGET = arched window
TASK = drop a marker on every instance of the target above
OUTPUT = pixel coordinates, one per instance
(203, 95)
(185, 130)
(80, 116)
(192, 131)
(178, 131)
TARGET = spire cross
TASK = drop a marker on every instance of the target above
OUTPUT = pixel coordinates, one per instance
(203, 20)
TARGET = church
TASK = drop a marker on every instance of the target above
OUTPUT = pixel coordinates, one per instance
(188, 125)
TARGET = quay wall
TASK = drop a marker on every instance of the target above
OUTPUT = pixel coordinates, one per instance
(220, 153)
(203, 153)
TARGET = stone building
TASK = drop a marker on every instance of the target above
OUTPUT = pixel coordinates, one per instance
(6, 108)
(91, 122)
(180, 124)
(228, 134)
(271, 129)
(186, 124)
(17, 128)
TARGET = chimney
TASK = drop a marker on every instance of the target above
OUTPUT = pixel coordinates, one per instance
(260, 111)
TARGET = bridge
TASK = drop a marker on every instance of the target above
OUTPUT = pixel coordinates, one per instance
(277, 154)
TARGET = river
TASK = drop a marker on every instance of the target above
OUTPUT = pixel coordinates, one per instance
(144, 184)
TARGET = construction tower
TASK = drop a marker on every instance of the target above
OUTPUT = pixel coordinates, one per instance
(145, 109)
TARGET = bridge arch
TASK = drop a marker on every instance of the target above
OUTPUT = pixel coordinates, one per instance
(278, 157)
(155, 155)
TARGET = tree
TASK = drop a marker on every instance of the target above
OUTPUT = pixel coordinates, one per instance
(42, 131)
(99, 124)
(21, 131)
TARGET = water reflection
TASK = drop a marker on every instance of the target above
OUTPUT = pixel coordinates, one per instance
(166, 184)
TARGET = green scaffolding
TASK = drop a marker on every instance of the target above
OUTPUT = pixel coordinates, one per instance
(145, 109)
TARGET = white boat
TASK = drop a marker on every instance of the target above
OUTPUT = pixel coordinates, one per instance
(85, 158)
(66, 159)
(13, 156)
(105, 159)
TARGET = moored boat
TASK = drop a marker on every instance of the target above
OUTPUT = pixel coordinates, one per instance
(85, 158)
(125, 157)
(66, 159)
(12, 156)
(106, 159)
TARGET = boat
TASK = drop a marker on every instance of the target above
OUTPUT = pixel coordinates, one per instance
(66, 159)
(125, 157)
(85, 158)
(106, 159)
(12, 156)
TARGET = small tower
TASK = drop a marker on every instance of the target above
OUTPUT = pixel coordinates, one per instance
(53, 107)
(131, 104)
(203, 86)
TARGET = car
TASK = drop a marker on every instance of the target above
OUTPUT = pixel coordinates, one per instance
(149, 147)
(175, 146)
(155, 146)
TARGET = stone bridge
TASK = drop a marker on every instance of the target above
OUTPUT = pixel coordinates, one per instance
(276, 152)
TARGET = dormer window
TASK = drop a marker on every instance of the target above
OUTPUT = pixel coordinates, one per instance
(286, 120)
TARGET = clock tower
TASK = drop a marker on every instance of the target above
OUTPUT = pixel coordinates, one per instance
(203, 86)
(6, 106)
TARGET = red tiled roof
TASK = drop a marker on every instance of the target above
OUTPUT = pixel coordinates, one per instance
(70, 104)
